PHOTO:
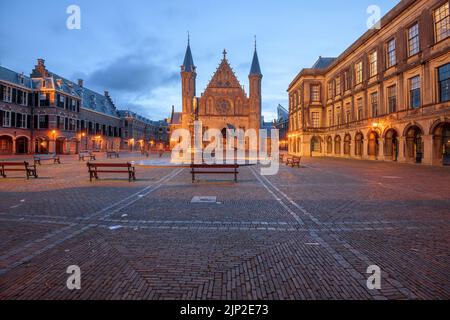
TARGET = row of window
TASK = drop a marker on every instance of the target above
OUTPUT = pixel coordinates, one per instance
(98, 129)
(14, 95)
(344, 81)
(415, 100)
(10, 119)
(67, 103)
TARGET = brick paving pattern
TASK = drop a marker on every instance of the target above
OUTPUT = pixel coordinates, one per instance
(307, 233)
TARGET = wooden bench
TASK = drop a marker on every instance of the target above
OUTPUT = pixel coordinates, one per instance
(83, 155)
(216, 169)
(30, 170)
(96, 168)
(112, 154)
(46, 157)
(293, 161)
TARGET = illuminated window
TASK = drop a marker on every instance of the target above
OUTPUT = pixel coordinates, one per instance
(374, 103)
(315, 93)
(359, 104)
(392, 99)
(315, 119)
(330, 90)
(338, 86)
(373, 64)
(414, 92)
(442, 22)
(444, 83)
(348, 80)
(413, 40)
(391, 53)
(358, 73)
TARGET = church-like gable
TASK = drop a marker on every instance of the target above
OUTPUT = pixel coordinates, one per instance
(224, 103)
(224, 77)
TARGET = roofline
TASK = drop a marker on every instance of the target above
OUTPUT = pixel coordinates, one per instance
(16, 85)
(101, 113)
(385, 20)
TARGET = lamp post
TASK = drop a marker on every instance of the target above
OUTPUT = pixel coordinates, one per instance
(54, 140)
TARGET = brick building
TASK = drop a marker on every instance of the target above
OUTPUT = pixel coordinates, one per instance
(387, 97)
(46, 113)
(224, 104)
(142, 134)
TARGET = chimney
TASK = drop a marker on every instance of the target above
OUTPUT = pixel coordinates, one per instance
(107, 94)
(39, 70)
(80, 83)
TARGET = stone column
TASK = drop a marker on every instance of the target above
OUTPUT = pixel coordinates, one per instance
(401, 149)
(428, 149)
(306, 147)
(352, 148)
(365, 151)
(52, 146)
(14, 147)
(380, 149)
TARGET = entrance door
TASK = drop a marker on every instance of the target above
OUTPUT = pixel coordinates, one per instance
(60, 145)
(6, 145)
(22, 145)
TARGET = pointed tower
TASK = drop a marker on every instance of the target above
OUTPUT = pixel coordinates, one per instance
(188, 85)
(255, 80)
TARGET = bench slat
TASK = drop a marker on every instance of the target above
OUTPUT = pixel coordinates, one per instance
(214, 172)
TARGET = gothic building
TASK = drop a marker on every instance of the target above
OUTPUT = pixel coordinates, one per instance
(224, 104)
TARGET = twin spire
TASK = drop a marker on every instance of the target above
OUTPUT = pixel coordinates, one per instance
(188, 64)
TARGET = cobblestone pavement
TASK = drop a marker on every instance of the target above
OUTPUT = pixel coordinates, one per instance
(308, 233)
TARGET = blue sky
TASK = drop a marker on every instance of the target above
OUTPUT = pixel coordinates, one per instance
(134, 48)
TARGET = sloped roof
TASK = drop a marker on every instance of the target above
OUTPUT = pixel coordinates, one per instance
(255, 69)
(14, 77)
(188, 63)
(131, 114)
(283, 114)
(323, 63)
(224, 77)
(176, 118)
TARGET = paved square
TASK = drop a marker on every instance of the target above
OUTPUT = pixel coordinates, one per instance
(307, 233)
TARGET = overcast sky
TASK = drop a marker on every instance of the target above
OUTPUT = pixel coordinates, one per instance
(134, 48)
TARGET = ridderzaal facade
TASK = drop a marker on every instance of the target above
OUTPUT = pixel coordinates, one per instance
(46, 113)
(387, 97)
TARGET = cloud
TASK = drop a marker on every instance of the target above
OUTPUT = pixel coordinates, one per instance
(132, 74)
